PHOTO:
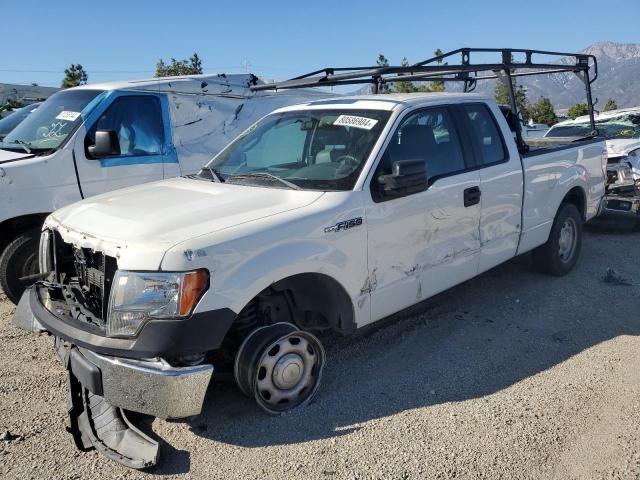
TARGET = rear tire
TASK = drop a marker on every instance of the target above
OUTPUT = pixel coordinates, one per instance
(18, 260)
(559, 255)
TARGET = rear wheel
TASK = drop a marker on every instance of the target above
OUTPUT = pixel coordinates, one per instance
(18, 260)
(559, 255)
(280, 367)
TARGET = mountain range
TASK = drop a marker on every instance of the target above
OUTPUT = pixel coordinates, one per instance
(618, 79)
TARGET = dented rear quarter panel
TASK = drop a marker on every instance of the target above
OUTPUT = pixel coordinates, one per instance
(548, 177)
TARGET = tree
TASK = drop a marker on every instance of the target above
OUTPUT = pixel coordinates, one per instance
(383, 62)
(191, 66)
(74, 76)
(578, 110)
(611, 105)
(438, 85)
(501, 95)
(542, 112)
(407, 86)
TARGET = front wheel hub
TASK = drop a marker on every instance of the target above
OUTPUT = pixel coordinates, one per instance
(288, 371)
(280, 366)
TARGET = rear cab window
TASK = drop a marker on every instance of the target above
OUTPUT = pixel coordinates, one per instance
(486, 138)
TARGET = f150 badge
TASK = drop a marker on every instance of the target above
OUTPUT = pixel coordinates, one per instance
(344, 225)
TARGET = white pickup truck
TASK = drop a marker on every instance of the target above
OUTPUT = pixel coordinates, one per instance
(329, 215)
(96, 138)
(621, 128)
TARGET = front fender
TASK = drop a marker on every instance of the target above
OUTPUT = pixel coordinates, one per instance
(253, 275)
(246, 259)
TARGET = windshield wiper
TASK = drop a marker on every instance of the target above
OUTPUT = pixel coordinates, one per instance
(215, 176)
(22, 143)
(286, 183)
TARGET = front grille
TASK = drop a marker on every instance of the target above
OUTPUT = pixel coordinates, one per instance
(85, 276)
(95, 272)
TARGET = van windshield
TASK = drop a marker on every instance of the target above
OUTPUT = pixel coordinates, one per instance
(51, 123)
(313, 149)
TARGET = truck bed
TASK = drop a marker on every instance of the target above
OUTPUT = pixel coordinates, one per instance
(540, 145)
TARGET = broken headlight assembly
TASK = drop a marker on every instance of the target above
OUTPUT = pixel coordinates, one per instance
(633, 159)
(137, 297)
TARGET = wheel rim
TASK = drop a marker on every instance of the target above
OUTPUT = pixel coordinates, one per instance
(567, 240)
(280, 366)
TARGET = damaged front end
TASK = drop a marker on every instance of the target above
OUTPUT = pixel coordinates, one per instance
(109, 376)
(623, 186)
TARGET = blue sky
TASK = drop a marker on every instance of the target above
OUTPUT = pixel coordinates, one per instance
(123, 40)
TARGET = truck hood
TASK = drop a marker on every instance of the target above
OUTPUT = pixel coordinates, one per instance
(9, 156)
(622, 146)
(162, 214)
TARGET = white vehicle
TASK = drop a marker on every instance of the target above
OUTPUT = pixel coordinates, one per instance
(535, 130)
(97, 138)
(329, 215)
(621, 128)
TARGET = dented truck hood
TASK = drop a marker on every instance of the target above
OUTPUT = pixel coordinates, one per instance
(138, 225)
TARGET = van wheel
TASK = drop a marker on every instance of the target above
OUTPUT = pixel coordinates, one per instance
(18, 260)
(280, 367)
(559, 255)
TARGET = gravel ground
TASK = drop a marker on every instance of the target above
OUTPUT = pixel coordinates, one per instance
(511, 375)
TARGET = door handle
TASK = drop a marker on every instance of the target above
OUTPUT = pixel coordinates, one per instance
(472, 196)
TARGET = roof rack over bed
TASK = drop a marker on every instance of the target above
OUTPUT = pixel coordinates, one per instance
(457, 66)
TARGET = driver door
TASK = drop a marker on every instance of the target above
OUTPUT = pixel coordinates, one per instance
(140, 121)
(423, 243)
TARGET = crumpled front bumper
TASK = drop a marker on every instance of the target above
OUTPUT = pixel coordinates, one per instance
(149, 386)
(621, 206)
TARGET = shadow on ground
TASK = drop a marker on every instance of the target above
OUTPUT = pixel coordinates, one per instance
(474, 340)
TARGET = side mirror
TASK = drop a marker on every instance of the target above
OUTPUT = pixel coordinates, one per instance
(407, 177)
(106, 144)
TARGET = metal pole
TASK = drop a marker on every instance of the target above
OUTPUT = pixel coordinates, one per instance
(592, 119)
(522, 147)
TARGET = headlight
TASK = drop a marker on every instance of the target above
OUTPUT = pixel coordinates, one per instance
(633, 158)
(139, 296)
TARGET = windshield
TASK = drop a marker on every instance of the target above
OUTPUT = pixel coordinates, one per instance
(623, 126)
(9, 123)
(50, 124)
(314, 149)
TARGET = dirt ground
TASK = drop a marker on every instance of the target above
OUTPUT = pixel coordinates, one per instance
(512, 375)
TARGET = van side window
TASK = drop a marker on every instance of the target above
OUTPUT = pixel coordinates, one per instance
(485, 135)
(137, 120)
(427, 135)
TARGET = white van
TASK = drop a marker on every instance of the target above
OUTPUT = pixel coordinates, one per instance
(96, 138)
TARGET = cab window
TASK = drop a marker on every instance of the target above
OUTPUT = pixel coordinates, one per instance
(427, 135)
(485, 135)
(137, 121)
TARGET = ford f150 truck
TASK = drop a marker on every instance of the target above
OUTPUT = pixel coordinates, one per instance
(96, 138)
(328, 215)
(621, 128)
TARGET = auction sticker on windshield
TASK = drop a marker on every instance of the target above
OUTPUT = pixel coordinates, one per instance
(68, 116)
(357, 122)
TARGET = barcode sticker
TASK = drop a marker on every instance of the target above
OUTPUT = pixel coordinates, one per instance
(356, 122)
(68, 116)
